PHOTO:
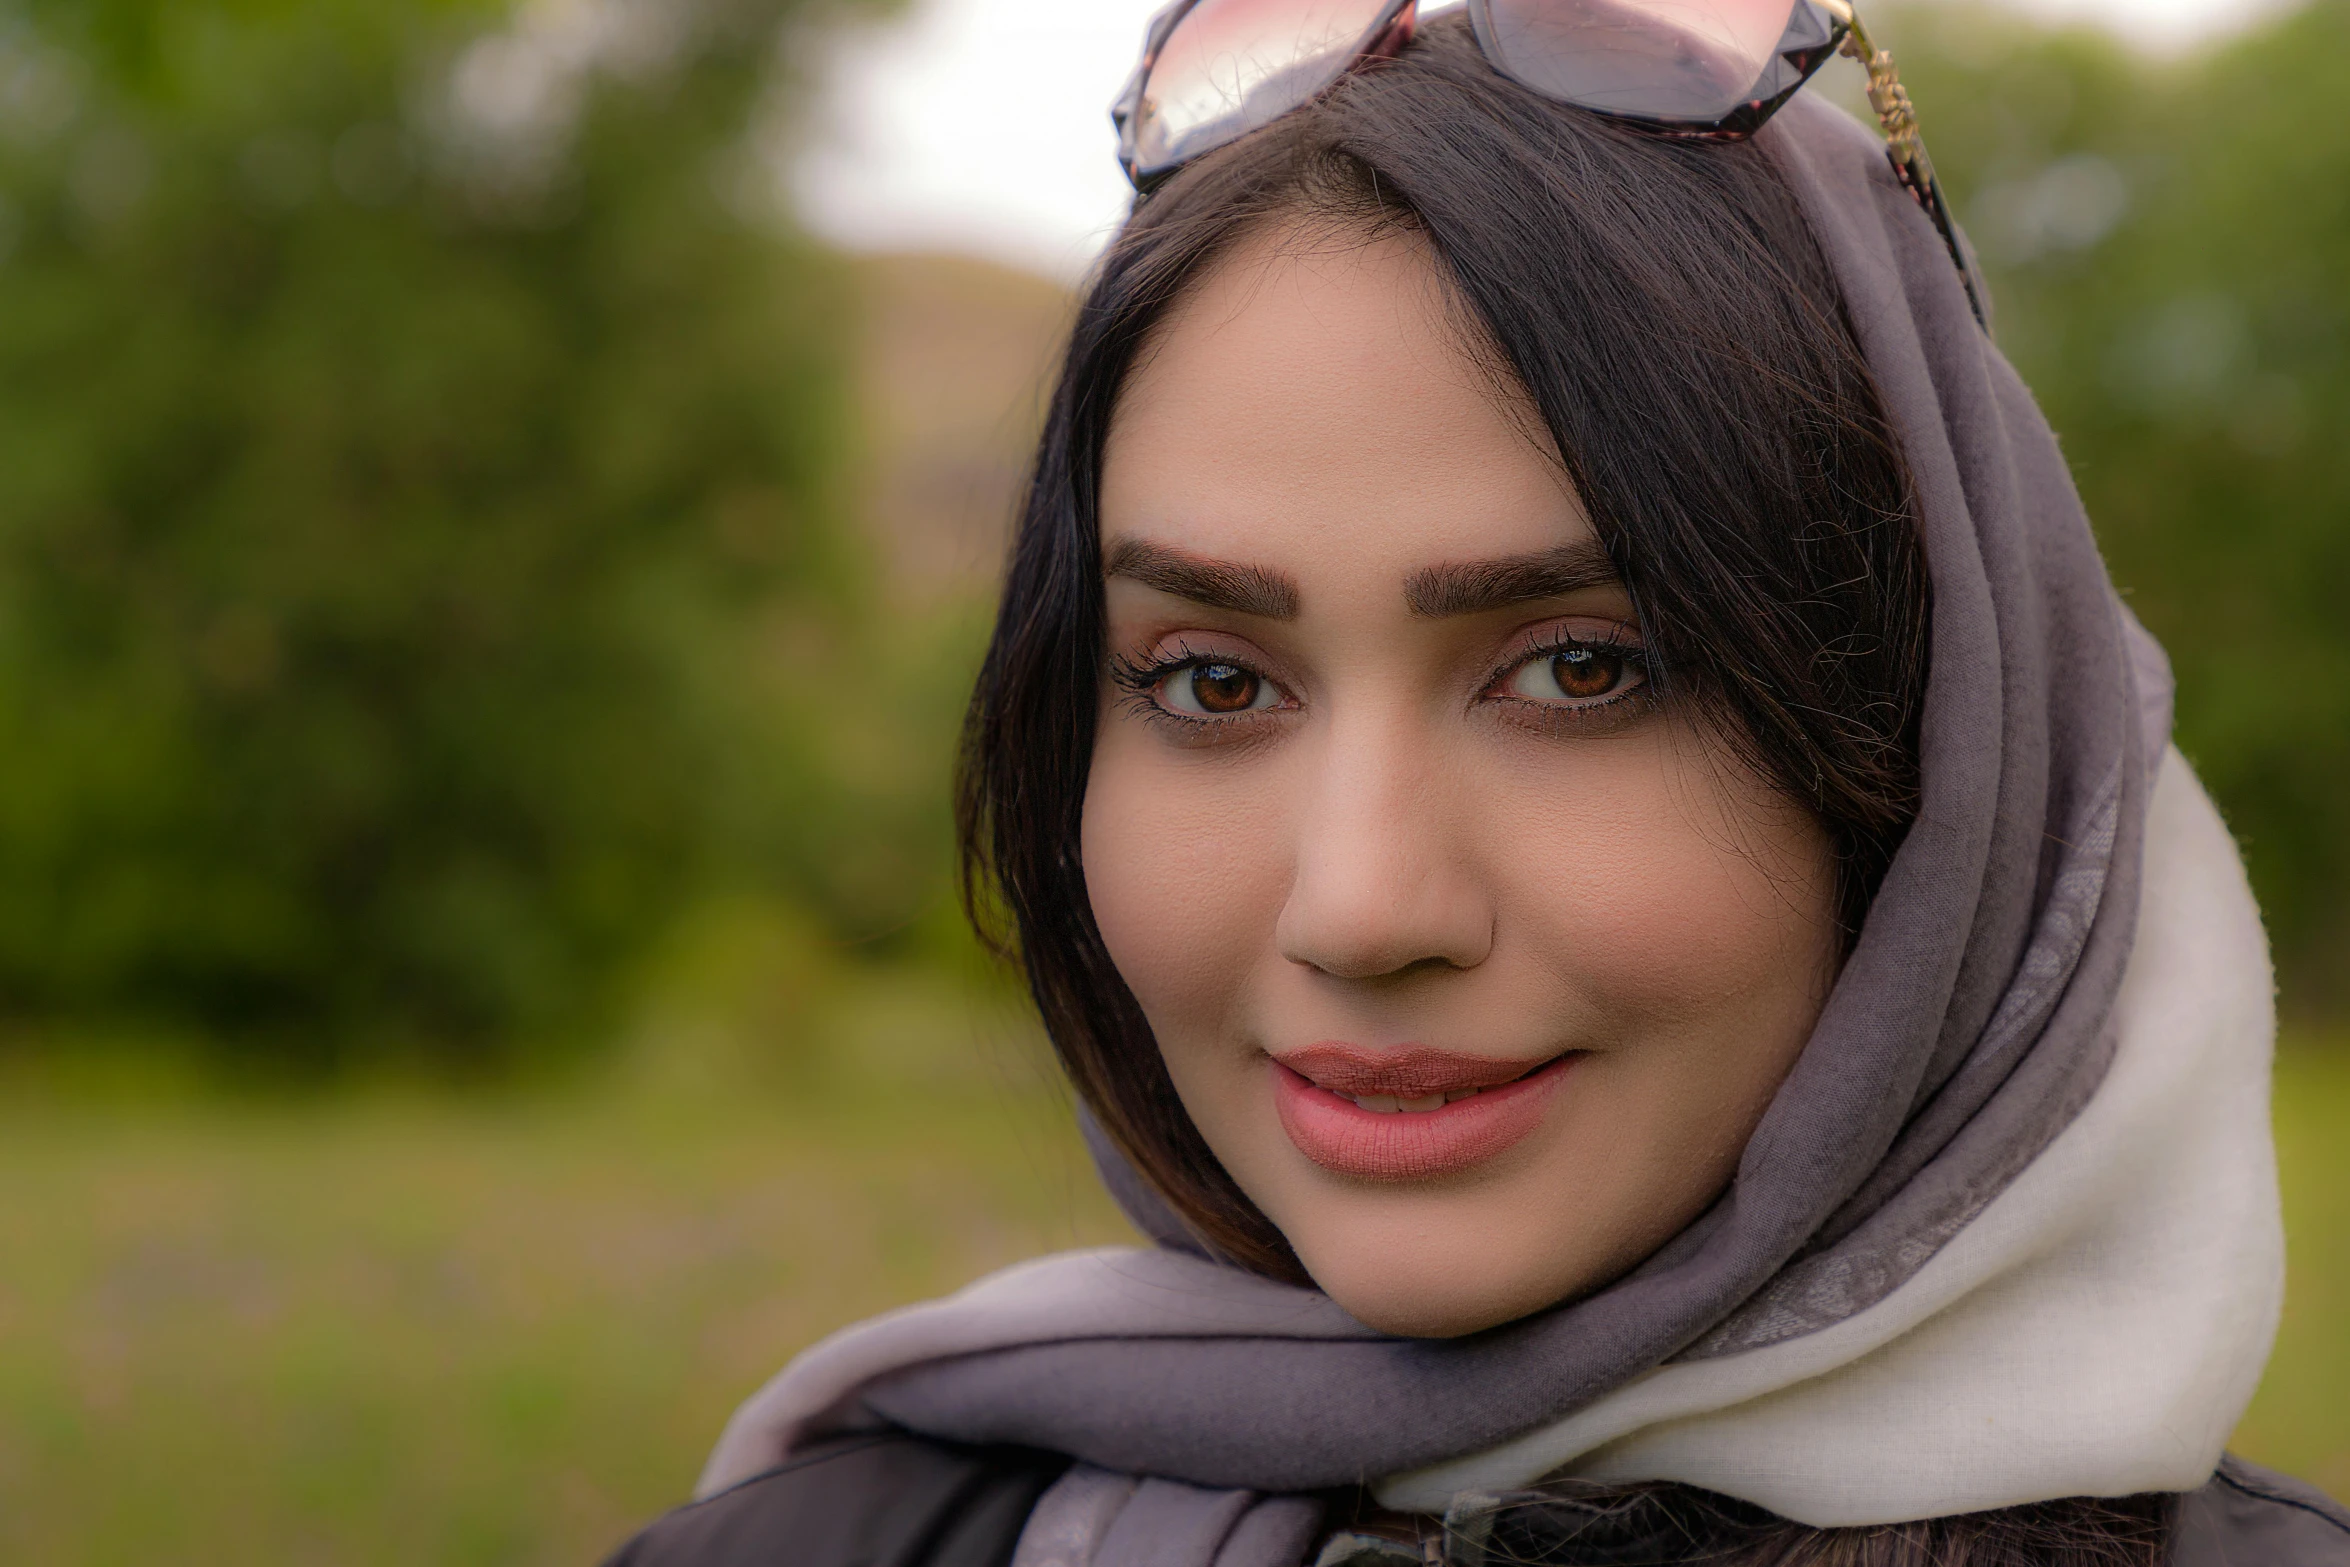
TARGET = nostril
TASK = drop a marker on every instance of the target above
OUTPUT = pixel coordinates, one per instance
(1401, 939)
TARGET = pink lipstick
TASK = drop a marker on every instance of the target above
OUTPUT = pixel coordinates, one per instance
(1411, 1112)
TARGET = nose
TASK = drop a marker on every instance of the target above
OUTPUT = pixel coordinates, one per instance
(1382, 882)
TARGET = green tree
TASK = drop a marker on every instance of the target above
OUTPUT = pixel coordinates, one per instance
(417, 442)
(2169, 245)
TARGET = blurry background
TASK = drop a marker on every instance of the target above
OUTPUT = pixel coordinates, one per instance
(497, 503)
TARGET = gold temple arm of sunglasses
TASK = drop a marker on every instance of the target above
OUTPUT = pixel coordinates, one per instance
(1903, 145)
(1886, 94)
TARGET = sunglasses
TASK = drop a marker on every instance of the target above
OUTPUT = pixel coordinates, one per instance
(1214, 70)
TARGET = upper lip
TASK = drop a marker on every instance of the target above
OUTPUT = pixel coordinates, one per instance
(1403, 1071)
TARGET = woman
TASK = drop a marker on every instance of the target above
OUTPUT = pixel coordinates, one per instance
(1607, 869)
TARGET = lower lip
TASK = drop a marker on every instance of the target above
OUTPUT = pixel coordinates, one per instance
(1343, 1137)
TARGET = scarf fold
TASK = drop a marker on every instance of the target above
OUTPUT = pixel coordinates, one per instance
(2007, 1231)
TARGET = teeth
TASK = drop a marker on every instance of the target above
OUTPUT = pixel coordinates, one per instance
(1389, 1104)
(1396, 1104)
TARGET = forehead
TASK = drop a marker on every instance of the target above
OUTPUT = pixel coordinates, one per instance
(1312, 406)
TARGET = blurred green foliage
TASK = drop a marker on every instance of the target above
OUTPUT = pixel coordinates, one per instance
(2169, 248)
(422, 556)
(431, 611)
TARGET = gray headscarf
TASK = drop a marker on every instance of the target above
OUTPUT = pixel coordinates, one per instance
(1970, 1025)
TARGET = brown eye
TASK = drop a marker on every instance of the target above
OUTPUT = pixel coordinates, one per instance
(1586, 672)
(1222, 688)
(1581, 675)
(1216, 690)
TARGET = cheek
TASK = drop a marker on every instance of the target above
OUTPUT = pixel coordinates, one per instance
(1186, 867)
(1674, 894)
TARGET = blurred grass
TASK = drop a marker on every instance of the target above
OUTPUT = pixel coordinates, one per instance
(2300, 1420)
(394, 1330)
(399, 1329)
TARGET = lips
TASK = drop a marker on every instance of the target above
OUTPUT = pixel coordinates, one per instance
(1411, 1112)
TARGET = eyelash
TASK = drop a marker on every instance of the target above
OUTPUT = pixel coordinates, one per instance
(1139, 682)
(1616, 642)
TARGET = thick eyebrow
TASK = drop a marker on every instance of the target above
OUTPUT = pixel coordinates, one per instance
(1218, 584)
(1475, 587)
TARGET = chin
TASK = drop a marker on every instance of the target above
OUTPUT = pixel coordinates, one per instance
(1430, 1296)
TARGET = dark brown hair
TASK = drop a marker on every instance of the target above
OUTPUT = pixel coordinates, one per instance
(1678, 331)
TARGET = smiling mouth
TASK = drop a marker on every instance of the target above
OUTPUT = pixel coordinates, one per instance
(1408, 1112)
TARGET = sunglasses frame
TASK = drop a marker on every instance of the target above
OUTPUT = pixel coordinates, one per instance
(1816, 31)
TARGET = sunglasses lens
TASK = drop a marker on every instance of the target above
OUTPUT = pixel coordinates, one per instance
(1233, 65)
(1685, 61)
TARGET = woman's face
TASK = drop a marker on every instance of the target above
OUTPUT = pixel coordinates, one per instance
(1474, 966)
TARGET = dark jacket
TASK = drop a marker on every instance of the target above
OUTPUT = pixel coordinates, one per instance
(902, 1501)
